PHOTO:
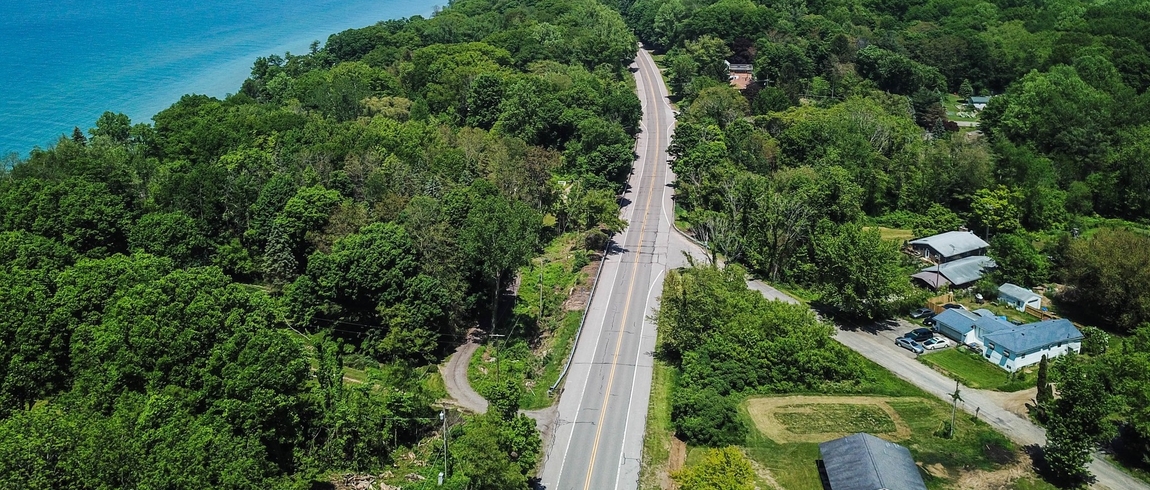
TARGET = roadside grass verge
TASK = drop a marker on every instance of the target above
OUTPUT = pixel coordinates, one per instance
(657, 438)
(973, 371)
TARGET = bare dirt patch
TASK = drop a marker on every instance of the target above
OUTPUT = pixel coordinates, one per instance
(581, 293)
(676, 460)
(766, 411)
(1014, 402)
(1000, 479)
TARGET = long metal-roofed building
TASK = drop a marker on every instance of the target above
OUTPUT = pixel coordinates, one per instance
(865, 462)
(957, 274)
(949, 246)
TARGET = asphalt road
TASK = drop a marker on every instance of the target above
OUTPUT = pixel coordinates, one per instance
(598, 436)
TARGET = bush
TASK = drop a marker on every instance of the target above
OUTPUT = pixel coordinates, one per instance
(1094, 341)
(580, 260)
(705, 418)
(595, 240)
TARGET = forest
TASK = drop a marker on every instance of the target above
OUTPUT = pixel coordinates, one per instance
(855, 123)
(182, 295)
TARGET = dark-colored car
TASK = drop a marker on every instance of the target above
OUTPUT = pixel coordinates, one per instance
(919, 334)
(954, 306)
(909, 345)
(929, 321)
(921, 312)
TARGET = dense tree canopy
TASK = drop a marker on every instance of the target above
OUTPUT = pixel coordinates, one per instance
(165, 282)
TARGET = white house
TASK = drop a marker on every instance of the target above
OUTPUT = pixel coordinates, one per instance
(1019, 297)
(1011, 347)
(1018, 347)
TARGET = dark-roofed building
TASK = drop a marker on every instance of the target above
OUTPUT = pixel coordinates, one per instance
(957, 274)
(865, 462)
(949, 246)
(979, 103)
(1020, 346)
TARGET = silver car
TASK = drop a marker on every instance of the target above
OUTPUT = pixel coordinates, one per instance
(909, 345)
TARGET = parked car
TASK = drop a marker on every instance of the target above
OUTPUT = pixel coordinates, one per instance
(919, 334)
(954, 306)
(929, 321)
(921, 312)
(935, 343)
(909, 345)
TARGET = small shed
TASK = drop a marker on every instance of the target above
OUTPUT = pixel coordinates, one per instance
(1019, 297)
(949, 246)
(865, 462)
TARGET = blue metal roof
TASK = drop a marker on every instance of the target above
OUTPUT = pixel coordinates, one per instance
(1035, 336)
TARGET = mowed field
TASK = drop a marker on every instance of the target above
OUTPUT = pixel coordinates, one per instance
(788, 419)
(785, 432)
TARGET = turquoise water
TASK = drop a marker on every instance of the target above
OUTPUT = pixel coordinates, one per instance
(64, 62)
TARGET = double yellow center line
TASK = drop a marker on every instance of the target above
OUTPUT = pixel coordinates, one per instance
(631, 286)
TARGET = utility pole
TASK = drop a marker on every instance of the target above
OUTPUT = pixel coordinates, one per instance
(443, 417)
(955, 397)
(541, 295)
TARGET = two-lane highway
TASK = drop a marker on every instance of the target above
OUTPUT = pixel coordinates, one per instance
(598, 438)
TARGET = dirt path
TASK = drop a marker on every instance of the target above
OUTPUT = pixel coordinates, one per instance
(1014, 402)
(455, 380)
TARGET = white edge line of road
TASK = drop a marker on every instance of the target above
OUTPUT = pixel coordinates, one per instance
(635, 375)
(598, 337)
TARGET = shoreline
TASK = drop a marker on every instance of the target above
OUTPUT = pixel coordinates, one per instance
(38, 119)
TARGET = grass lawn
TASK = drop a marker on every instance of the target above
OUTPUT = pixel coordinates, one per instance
(893, 234)
(811, 418)
(974, 371)
(954, 107)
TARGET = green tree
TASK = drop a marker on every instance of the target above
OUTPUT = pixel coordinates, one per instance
(1018, 261)
(859, 273)
(173, 235)
(1110, 274)
(996, 210)
(965, 91)
(498, 236)
(1077, 421)
(721, 469)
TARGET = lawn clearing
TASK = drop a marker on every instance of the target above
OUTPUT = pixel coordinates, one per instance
(834, 417)
(973, 371)
(894, 234)
(804, 418)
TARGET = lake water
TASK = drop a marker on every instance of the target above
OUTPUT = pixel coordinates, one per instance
(65, 62)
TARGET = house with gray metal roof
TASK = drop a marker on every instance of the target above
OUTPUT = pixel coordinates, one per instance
(949, 246)
(1019, 297)
(956, 274)
(1020, 346)
(865, 462)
